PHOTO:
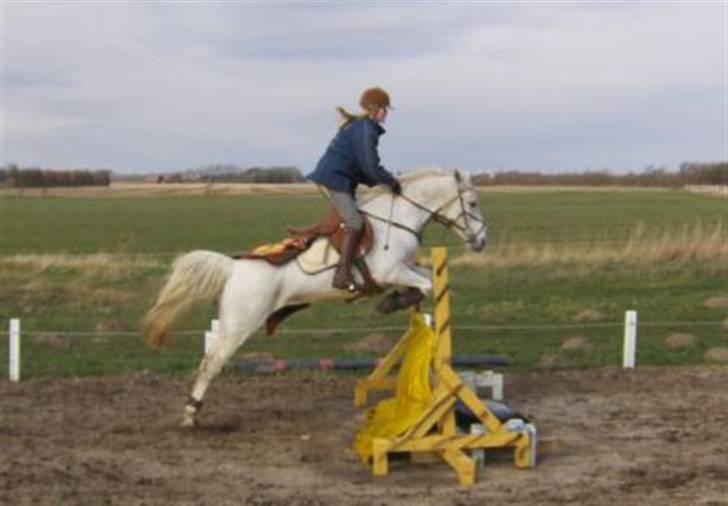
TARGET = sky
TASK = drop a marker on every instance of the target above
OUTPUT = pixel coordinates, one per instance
(479, 86)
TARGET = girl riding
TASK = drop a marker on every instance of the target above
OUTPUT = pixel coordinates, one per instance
(351, 159)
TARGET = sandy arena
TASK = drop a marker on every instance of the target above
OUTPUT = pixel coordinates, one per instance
(649, 437)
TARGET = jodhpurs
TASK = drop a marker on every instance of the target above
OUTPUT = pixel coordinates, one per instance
(345, 204)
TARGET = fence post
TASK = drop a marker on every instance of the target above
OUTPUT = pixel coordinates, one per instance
(14, 349)
(630, 339)
(212, 335)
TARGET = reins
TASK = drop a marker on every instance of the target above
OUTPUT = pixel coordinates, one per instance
(433, 215)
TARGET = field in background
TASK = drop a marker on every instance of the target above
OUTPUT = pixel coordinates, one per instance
(562, 267)
(154, 189)
(150, 189)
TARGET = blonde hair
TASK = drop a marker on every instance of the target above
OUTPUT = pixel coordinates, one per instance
(347, 117)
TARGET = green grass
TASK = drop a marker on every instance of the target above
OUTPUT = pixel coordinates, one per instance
(231, 223)
(541, 296)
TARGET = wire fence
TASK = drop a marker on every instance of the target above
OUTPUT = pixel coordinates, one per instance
(454, 243)
(388, 328)
(58, 353)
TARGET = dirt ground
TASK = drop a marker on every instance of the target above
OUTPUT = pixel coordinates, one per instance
(648, 437)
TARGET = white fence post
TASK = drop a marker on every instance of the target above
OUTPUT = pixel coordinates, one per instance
(14, 369)
(212, 335)
(209, 338)
(492, 380)
(630, 339)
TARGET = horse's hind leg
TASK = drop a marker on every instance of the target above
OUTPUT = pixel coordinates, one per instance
(235, 327)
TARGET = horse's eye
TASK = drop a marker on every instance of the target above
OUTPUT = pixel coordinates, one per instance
(473, 204)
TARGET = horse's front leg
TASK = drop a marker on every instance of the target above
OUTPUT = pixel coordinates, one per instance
(417, 285)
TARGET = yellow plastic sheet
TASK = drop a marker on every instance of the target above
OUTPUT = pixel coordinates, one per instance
(393, 417)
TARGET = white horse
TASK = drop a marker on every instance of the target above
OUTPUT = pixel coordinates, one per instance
(250, 291)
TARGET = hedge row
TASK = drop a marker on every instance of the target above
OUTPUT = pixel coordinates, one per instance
(39, 178)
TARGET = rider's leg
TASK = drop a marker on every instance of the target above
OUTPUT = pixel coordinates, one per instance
(345, 204)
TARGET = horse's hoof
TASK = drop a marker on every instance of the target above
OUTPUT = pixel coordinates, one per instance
(396, 300)
(189, 418)
(388, 304)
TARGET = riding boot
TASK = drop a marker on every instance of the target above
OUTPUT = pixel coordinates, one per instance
(344, 278)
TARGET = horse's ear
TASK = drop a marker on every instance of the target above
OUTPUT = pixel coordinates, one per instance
(458, 177)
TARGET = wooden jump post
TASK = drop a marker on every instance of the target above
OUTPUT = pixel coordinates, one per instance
(435, 431)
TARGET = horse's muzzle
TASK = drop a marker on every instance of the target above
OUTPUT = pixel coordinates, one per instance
(478, 243)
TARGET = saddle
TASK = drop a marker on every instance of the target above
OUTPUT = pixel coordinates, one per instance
(333, 231)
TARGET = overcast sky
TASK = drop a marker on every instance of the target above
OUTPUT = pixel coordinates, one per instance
(141, 87)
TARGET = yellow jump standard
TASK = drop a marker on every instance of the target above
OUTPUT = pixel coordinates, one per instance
(433, 430)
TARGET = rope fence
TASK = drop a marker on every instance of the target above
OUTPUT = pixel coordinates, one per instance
(389, 328)
(495, 246)
(189, 351)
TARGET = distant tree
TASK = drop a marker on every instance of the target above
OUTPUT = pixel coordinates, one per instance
(652, 175)
(39, 178)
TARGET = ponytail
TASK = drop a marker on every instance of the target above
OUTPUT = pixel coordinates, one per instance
(346, 117)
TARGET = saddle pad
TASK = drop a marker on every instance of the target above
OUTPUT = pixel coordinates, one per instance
(318, 257)
(276, 254)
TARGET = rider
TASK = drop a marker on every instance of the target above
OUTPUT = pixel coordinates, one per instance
(350, 159)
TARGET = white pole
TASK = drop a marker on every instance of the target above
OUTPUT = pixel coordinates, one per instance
(209, 339)
(212, 334)
(630, 339)
(497, 387)
(14, 349)
(427, 317)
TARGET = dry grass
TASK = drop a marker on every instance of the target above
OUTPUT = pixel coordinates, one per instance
(105, 264)
(570, 189)
(88, 280)
(154, 190)
(641, 248)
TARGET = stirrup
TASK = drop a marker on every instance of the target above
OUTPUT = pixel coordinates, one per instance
(342, 285)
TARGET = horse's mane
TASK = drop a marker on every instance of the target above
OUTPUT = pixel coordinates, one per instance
(406, 179)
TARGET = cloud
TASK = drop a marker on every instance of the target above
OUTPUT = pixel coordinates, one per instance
(161, 86)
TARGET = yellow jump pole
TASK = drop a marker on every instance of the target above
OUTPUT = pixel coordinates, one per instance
(443, 333)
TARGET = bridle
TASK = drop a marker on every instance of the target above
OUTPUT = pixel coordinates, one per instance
(437, 216)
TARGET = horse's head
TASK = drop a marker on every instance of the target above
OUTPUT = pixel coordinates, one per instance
(452, 200)
(463, 213)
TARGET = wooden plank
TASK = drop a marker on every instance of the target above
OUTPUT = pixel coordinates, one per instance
(439, 442)
(380, 461)
(464, 466)
(465, 394)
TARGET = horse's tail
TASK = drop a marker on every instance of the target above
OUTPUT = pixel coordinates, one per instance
(195, 277)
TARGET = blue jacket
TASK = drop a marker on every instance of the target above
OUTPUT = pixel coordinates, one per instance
(352, 158)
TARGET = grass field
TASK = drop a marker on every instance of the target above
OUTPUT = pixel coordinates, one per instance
(561, 264)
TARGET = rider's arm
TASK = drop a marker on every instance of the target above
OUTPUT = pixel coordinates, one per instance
(365, 144)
